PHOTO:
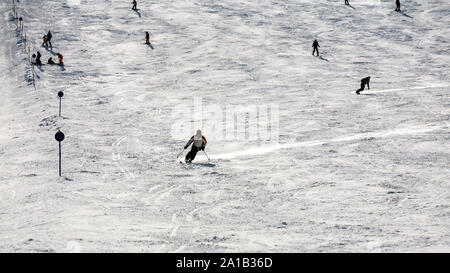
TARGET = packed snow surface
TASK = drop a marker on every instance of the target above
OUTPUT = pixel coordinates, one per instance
(344, 173)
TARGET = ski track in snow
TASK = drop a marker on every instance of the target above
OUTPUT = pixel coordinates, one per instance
(349, 173)
(382, 134)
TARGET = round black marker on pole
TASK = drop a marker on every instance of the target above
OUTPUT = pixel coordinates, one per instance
(59, 136)
(60, 95)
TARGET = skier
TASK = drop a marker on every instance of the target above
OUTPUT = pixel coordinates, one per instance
(363, 84)
(50, 61)
(346, 2)
(134, 5)
(38, 58)
(397, 2)
(60, 56)
(316, 47)
(44, 41)
(198, 144)
(147, 38)
(49, 39)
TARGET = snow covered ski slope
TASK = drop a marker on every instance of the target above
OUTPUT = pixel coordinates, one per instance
(334, 172)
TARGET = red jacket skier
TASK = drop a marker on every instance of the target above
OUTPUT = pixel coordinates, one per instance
(199, 143)
(60, 56)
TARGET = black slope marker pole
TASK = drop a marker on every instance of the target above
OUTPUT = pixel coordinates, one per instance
(59, 136)
(60, 95)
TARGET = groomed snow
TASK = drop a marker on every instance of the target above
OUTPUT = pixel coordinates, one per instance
(347, 173)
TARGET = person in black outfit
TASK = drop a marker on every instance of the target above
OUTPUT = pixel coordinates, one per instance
(49, 39)
(316, 47)
(134, 5)
(50, 61)
(363, 85)
(346, 2)
(38, 58)
(397, 2)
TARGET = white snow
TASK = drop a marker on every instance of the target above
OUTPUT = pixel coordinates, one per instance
(346, 173)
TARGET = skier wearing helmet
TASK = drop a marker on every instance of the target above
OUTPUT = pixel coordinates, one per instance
(198, 142)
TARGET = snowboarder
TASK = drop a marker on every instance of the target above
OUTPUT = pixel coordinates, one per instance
(363, 85)
(316, 47)
(198, 144)
(49, 39)
(147, 38)
(134, 5)
(397, 2)
(50, 61)
(38, 58)
(346, 2)
(60, 56)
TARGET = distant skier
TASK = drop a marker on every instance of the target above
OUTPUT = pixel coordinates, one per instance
(316, 47)
(198, 144)
(38, 58)
(60, 57)
(397, 2)
(44, 41)
(49, 39)
(363, 85)
(147, 38)
(50, 61)
(346, 2)
(134, 5)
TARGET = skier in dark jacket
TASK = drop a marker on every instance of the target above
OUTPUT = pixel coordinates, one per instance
(147, 38)
(316, 47)
(397, 2)
(134, 5)
(346, 2)
(198, 144)
(38, 58)
(49, 39)
(363, 85)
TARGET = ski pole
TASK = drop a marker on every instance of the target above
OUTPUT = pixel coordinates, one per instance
(180, 153)
(207, 156)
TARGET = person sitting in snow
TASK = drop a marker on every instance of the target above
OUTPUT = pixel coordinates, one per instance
(198, 144)
(50, 61)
